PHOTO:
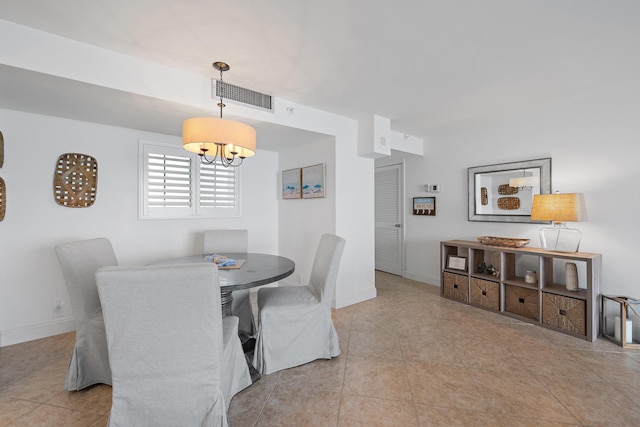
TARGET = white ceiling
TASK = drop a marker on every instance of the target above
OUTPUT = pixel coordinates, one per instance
(425, 64)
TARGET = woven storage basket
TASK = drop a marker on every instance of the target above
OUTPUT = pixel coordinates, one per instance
(568, 314)
(485, 293)
(455, 286)
(522, 301)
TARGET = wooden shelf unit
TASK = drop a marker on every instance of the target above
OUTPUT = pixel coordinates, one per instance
(546, 303)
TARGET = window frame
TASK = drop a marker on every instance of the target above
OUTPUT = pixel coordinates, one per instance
(196, 210)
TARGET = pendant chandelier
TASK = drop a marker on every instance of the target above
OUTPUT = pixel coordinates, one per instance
(217, 139)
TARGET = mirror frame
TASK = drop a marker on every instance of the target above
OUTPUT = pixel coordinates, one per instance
(544, 165)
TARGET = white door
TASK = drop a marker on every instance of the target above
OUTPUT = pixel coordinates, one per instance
(389, 233)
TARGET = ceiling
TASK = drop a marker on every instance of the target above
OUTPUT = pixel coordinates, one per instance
(425, 64)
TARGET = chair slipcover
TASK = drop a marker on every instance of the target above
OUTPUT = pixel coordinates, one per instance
(229, 241)
(294, 322)
(166, 339)
(89, 363)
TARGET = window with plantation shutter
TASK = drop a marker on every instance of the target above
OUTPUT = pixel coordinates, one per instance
(217, 186)
(174, 184)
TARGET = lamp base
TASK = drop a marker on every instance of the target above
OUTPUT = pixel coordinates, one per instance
(559, 238)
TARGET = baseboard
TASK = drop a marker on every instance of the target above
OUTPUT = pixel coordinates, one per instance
(30, 333)
(355, 297)
(434, 281)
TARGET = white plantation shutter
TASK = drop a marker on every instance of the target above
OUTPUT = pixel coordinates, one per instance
(174, 184)
(218, 187)
(169, 181)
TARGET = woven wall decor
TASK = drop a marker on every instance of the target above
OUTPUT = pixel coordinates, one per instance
(75, 181)
(509, 203)
(505, 190)
(3, 198)
(1, 149)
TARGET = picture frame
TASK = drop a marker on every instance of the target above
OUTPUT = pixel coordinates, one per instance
(291, 183)
(455, 262)
(491, 199)
(424, 206)
(313, 185)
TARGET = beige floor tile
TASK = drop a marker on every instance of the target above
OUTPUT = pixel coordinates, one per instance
(12, 409)
(246, 406)
(321, 375)
(433, 416)
(95, 399)
(374, 344)
(103, 421)
(486, 356)
(444, 385)
(554, 362)
(290, 407)
(371, 412)
(374, 322)
(447, 351)
(53, 416)
(612, 367)
(595, 403)
(519, 394)
(408, 358)
(376, 377)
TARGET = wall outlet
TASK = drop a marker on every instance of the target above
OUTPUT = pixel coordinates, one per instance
(57, 308)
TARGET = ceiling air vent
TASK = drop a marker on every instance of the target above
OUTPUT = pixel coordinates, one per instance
(242, 95)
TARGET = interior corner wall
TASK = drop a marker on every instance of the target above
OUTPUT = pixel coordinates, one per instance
(592, 140)
(30, 277)
(303, 221)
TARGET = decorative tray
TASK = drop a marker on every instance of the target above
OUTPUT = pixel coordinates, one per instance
(503, 241)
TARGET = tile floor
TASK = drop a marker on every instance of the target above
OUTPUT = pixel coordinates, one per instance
(409, 358)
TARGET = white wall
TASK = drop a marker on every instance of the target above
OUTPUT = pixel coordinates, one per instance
(303, 221)
(30, 277)
(593, 143)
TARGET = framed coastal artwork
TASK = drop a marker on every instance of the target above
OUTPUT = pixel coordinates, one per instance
(313, 182)
(291, 180)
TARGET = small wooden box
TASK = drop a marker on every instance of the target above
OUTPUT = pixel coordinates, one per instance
(485, 293)
(568, 314)
(522, 301)
(455, 286)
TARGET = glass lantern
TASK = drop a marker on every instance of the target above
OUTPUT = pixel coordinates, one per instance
(619, 315)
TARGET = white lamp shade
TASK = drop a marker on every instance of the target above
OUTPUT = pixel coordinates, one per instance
(210, 132)
(525, 181)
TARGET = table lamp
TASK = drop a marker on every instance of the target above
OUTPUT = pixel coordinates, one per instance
(559, 208)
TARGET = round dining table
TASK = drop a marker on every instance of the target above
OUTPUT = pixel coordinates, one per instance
(251, 270)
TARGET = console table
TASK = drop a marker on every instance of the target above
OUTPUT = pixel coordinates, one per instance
(543, 300)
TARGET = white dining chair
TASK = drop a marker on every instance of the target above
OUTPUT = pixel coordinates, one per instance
(174, 360)
(79, 261)
(229, 241)
(294, 322)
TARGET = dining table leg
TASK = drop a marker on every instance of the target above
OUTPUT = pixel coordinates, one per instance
(226, 298)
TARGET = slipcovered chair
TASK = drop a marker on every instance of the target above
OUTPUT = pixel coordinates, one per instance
(294, 322)
(174, 360)
(230, 241)
(79, 261)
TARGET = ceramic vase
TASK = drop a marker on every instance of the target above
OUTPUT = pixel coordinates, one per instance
(571, 276)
